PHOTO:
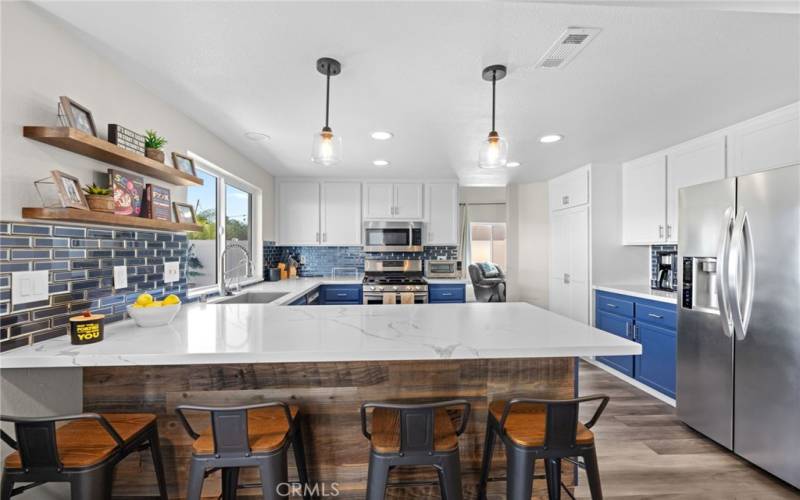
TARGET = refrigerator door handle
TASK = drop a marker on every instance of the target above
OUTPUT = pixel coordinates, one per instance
(740, 291)
(723, 257)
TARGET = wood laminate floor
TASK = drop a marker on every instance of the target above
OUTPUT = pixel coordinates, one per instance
(645, 452)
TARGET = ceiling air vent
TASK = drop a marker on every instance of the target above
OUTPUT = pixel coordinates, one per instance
(568, 45)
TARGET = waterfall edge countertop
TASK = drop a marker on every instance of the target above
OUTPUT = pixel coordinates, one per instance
(207, 333)
(641, 291)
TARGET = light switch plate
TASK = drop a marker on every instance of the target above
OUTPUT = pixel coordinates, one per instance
(120, 277)
(171, 272)
(29, 286)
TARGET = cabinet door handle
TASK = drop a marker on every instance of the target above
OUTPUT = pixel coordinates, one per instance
(660, 231)
(565, 200)
(669, 231)
(627, 329)
(612, 306)
(342, 294)
(636, 333)
(446, 294)
(566, 278)
(656, 316)
(324, 236)
(317, 237)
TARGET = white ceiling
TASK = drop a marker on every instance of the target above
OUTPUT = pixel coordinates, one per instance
(652, 78)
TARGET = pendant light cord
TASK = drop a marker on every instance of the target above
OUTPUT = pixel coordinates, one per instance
(327, 93)
(494, 82)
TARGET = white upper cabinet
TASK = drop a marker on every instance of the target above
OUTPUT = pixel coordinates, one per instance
(378, 200)
(694, 162)
(767, 141)
(644, 190)
(298, 213)
(442, 214)
(569, 190)
(384, 200)
(341, 213)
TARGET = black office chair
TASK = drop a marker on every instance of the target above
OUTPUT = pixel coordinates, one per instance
(414, 434)
(488, 281)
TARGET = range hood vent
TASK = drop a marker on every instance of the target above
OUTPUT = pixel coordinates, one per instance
(568, 45)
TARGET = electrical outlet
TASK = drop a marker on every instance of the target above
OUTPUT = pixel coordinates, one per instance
(120, 277)
(29, 286)
(171, 272)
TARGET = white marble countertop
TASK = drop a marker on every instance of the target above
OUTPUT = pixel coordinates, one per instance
(253, 333)
(641, 291)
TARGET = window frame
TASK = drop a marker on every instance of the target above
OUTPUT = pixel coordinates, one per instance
(225, 178)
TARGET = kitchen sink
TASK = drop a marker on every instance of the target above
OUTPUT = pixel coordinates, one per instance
(252, 298)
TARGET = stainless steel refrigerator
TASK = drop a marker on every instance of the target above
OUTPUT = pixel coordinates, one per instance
(738, 378)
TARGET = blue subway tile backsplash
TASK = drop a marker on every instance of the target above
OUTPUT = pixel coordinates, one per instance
(79, 260)
(320, 261)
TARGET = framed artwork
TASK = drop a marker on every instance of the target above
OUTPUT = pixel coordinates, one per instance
(157, 203)
(69, 190)
(184, 213)
(77, 116)
(184, 164)
(128, 191)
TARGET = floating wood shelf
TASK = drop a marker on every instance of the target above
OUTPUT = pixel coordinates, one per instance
(87, 145)
(102, 218)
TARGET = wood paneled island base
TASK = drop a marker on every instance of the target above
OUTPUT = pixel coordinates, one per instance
(329, 395)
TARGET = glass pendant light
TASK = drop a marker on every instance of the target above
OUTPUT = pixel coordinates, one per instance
(327, 148)
(494, 150)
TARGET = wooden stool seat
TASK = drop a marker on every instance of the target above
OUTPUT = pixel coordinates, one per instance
(267, 430)
(386, 431)
(83, 443)
(526, 424)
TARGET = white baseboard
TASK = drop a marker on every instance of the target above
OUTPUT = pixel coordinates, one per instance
(633, 382)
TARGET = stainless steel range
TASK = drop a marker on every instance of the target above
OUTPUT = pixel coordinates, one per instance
(394, 282)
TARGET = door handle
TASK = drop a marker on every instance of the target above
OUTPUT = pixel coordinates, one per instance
(627, 329)
(317, 237)
(723, 255)
(669, 231)
(446, 294)
(566, 278)
(656, 316)
(660, 231)
(742, 299)
(341, 294)
(612, 306)
(636, 333)
(565, 200)
(324, 236)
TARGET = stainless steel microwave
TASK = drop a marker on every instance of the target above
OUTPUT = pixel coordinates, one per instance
(390, 236)
(443, 268)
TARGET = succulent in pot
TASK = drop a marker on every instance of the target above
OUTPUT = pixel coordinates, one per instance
(153, 144)
(99, 198)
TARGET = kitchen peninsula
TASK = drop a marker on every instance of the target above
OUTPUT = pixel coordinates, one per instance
(327, 359)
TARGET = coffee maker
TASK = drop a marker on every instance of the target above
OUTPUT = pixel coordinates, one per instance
(665, 278)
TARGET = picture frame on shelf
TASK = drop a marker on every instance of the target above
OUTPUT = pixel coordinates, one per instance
(184, 164)
(69, 190)
(128, 190)
(78, 117)
(184, 213)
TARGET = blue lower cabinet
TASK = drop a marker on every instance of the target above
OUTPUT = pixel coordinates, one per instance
(656, 365)
(650, 323)
(340, 294)
(447, 293)
(621, 326)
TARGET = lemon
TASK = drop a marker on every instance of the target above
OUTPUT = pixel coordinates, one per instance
(170, 300)
(144, 299)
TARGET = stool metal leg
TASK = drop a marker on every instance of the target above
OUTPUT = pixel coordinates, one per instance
(196, 477)
(92, 485)
(486, 463)
(553, 472)
(274, 472)
(377, 477)
(158, 463)
(6, 485)
(450, 477)
(519, 485)
(300, 461)
(593, 474)
(230, 482)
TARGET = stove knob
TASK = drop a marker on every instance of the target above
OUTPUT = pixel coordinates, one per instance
(371, 288)
(417, 287)
(380, 288)
(394, 288)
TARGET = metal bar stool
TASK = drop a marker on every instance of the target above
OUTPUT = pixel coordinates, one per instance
(414, 434)
(246, 436)
(541, 428)
(82, 452)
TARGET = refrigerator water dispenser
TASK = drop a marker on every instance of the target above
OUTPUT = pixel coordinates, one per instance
(700, 284)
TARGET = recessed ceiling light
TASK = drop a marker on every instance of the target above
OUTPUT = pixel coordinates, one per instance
(550, 138)
(381, 135)
(512, 164)
(256, 136)
(381, 163)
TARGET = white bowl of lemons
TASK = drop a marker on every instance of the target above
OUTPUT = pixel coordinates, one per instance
(148, 312)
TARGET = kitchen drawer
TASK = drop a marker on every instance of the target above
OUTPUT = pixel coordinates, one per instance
(446, 293)
(341, 294)
(665, 317)
(614, 304)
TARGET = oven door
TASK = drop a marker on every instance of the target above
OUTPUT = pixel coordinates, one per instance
(376, 298)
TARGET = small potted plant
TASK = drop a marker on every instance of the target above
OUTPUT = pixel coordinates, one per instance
(153, 144)
(99, 198)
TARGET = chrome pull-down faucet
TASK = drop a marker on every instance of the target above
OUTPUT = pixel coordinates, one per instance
(247, 262)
